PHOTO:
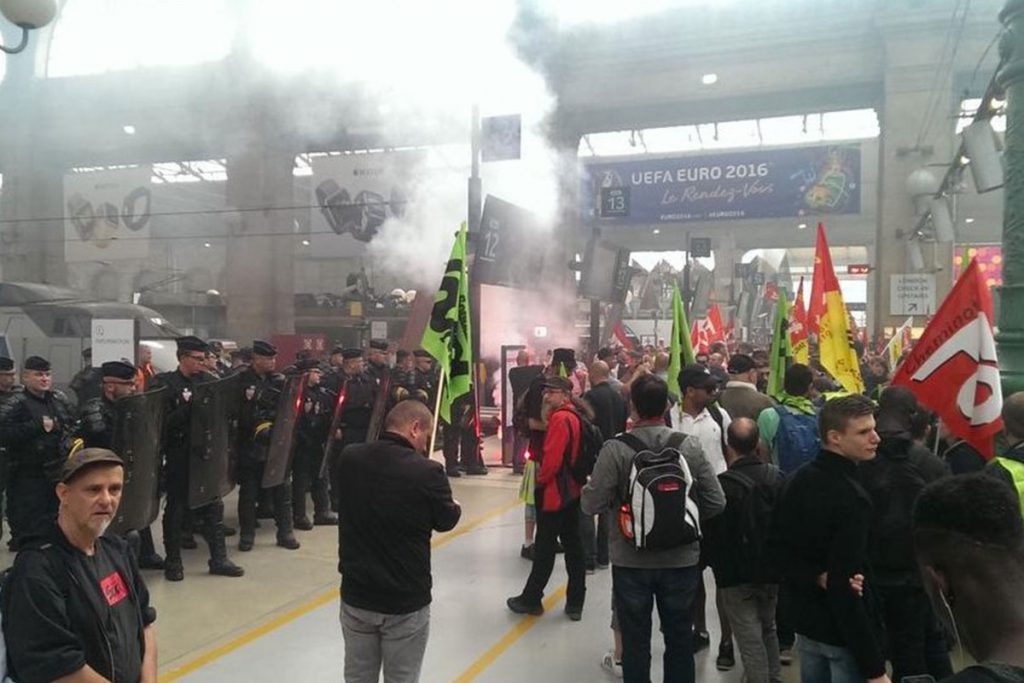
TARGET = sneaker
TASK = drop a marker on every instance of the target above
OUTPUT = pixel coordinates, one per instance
(520, 606)
(786, 656)
(526, 552)
(609, 664)
(726, 658)
(701, 640)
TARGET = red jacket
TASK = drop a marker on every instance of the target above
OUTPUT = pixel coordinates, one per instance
(554, 481)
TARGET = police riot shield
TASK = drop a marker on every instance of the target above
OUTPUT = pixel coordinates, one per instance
(282, 436)
(212, 453)
(332, 432)
(137, 424)
(380, 408)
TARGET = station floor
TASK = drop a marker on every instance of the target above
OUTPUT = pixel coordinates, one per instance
(280, 621)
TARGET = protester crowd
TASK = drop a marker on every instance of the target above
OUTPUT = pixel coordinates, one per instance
(803, 506)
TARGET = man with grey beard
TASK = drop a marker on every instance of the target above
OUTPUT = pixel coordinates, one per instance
(70, 574)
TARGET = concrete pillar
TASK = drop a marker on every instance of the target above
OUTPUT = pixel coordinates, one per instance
(910, 90)
(259, 269)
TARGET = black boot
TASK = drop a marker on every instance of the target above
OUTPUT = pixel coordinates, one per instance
(148, 557)
(302, 523)
(219, 563)
(173, 571)
(282, 498)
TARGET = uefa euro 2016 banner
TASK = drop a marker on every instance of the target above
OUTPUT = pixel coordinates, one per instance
(768, 183)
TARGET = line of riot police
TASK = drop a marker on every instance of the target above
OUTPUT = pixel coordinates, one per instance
(192, 433)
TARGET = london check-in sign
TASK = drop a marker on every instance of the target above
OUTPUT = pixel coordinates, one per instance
(726, 186)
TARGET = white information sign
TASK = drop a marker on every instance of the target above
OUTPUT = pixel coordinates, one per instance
(379, 329)
(912, 294)
(112, 339)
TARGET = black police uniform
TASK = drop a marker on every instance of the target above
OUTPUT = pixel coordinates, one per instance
(177, 445)
(6, 364)
(405, 384)
(461, 445)
(260, 396)
(310, 438)
(86, 384)
(32, 429)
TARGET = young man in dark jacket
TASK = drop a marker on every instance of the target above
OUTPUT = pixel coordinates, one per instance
(558, 506)
(392, 496)
(75, 606)
(820, 541)
(736, 541)
(969, 542)
(894, 480)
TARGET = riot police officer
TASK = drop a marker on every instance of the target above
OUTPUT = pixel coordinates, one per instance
(8, 390)
(177, 445)
(377, 362)
(405, 382)
(310, 437)
(96, 430)
(261, 392)
(426, 375)
(358, 393)
(33, 424)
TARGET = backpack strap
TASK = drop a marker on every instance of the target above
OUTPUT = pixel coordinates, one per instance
(637, 444)
(716, 415)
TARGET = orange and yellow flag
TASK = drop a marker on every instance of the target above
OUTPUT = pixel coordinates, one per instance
(835, 336)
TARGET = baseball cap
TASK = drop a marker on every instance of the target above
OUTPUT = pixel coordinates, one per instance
(86, 457)
(697, 376)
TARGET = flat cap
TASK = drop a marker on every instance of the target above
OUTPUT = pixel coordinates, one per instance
(559, 383)
(86, 457)
(191, 343)
(118, 369)
(37, 363)
(263, 348)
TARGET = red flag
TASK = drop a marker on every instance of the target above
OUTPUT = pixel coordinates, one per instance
(822, 265)
(620, 334)
(698, 337)
(952, 368)
(715, 328)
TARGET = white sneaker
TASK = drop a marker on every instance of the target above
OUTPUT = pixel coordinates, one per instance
(609, 664)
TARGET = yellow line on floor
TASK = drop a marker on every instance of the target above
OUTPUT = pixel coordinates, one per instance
(509, 639)
(319, 601)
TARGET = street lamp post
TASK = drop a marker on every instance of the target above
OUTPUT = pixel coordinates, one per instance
(1010, 340)
(27, 15)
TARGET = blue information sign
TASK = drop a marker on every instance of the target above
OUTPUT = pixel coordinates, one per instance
(768, 183)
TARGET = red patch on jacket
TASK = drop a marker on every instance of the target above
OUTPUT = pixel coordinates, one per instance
(114, 589)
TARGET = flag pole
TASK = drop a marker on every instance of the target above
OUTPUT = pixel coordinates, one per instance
(436, 416)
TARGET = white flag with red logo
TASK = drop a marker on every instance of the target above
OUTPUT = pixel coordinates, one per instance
(952, 368)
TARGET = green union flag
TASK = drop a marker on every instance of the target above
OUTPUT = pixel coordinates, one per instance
(680, 348)
(781, 351)
(447, 337)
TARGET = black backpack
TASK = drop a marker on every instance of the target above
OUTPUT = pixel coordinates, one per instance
(750, 509)
(591, 442)
(658, 512)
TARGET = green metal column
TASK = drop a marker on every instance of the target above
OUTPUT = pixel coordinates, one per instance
(1010, 340)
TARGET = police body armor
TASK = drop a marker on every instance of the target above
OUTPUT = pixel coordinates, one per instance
(353, 411)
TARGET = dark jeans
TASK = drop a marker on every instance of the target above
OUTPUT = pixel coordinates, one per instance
(250, 478)
(907, 614)
(551, 526)
(31, 500)
(595, 539)
(787, 638)
(635, 592)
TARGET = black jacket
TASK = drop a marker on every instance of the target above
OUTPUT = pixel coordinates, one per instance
(894, 480)
(54, 611)
(32, 449)
(391, 499)
(96, 423)
(821, 525)
(610, 411)
(723, 534)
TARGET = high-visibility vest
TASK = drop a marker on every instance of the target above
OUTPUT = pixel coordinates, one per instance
(1016, 470)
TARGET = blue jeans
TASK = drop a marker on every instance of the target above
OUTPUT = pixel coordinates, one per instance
(635, 591)
(823, 663)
